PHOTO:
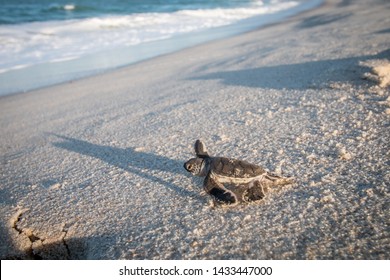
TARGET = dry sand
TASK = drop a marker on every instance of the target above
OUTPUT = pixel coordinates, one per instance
(92, 169)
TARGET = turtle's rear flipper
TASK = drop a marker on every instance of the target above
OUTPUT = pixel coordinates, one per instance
(255, 193)
(218, 191)
(200, 149)
(278, 180)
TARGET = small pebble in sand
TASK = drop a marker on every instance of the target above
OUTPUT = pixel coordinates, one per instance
(328, 199)
(247, 218)
(343, 154)
(311, 157)
(194, 244)
(370, 192)
(55, 186)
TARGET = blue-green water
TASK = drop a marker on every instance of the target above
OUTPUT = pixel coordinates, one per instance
(19, 11)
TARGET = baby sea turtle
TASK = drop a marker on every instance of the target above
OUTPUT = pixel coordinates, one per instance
(231, 181)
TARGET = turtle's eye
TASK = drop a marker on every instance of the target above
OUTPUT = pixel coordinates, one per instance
(188, 166)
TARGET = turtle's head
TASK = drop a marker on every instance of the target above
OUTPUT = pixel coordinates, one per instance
(196, 166)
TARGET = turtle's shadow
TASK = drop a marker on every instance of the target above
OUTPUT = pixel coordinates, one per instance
(137, 162)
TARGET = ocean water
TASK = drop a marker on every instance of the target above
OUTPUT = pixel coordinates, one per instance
(20, 11)
(43, 42)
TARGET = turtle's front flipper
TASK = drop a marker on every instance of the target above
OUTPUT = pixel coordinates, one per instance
(218, 191)
(200, 149)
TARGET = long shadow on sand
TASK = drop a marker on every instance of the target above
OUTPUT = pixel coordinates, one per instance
(322, 20)
(298, 76)
(136, 162)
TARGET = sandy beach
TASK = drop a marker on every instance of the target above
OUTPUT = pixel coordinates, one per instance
(93, 168)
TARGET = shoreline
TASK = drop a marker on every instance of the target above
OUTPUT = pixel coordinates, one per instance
(38, 76)
(93, 169)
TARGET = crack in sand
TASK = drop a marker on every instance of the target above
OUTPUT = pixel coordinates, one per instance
(16, 218)
(65, 231)
(39, 242)
(30, 254)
